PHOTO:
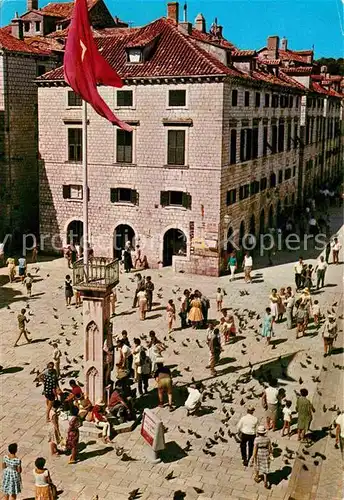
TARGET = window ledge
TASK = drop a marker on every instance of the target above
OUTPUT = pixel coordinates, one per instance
(71, 162)
(182, 167)
(120, 164)
(123, 204)
(73, 200)
(178, 108)
(175, 207)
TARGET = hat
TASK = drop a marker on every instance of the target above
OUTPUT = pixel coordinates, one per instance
(261, 429)
(100, 402)
(250, 409)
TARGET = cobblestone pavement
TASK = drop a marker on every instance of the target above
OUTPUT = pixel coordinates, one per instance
(222, 477)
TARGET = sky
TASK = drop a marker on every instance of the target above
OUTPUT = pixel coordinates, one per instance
(246, 23)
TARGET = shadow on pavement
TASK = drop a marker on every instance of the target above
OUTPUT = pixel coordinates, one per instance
(172, 452)
(279, 475)
(13, 369)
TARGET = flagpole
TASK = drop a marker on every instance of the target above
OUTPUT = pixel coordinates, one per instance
(85, 189)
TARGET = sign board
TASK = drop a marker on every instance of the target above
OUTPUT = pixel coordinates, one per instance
(303, 110)
(152, 430)
(325, 108)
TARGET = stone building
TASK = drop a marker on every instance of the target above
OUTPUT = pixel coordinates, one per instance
(30, 46)
(223, 142)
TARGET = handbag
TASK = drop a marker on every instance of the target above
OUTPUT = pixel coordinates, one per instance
(53, 491)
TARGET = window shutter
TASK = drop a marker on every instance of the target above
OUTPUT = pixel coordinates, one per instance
(242, 145)
(66, 191)
(187, 200)
(134, 197)
(114, 195)
(164, 198)
(88, 194)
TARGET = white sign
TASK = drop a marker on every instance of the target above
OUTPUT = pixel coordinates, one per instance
(303, 111)
(325, 107)
(152, 430)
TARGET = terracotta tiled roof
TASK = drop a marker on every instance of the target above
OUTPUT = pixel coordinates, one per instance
(243, 53)
(62, 10)
(176, 54)
(299, 70)
(289, 80)
(292, 55)
(43, 43)
(269, 62)
(211, 39)
(281, 79)
(321, 90)
(9, 42)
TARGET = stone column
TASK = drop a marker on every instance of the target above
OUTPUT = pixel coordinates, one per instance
(96, 316)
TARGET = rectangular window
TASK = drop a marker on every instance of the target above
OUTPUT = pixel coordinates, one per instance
(27, 26)
(40, 69)
(274, 101)
(257, 99)
(176, 199)
(267, 100)
(244, 192)
(255, 142)
(263, 183)
(272, 180)
(289, 136)
(176, 147)
(281, 137)
(37, 26)
(72, 192)
(265, 141)
(273, 138)
(291, 101)
(247, 98)
(234, 97)
(75, 144)
(124, 195)
(177, 98)
(297, 102)
(231, 197)
(245, 144)
(124, 146)
(280, 176)
(294, 170)
(74, 100)
(287, 174)
(254, 188)
(233, 146)
(124, 98)
(308, 125)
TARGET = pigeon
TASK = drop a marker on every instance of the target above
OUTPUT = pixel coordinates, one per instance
(191, 432)
(187, 368)
(180, 430)
(198, 436)
(56, 316)
(126, 458)
(304, 466)
(134, 494)
(300, 381)
(199, 491)
(179, 495)
(169, 476)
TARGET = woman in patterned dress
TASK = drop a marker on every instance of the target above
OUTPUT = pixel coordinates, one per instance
(11, 479)
(73, 434)
(261, 455)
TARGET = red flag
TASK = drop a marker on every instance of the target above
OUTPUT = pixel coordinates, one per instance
(84, 66)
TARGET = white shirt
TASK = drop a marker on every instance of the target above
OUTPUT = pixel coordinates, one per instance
(41, 479)
(322, 266)
(248, 424)
(340, 421)
(248, 261)
(193, 399)
(287, 414)
(298, 267)
(312, 222)
(271, 395)
(126, 351)
(2, 246)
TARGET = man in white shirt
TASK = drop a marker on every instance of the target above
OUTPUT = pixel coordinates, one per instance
(247, 265)
(340, 433)
(336, 246)
(247, 427)
(194, 400)
(298, 268)
(320, 269)
(270, 404)
(2, 253)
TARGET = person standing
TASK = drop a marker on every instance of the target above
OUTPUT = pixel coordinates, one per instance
(11, 267)
(289, 303)
(270, 400)
(170, 315)
(68, 290)
(247, 427)
(11, 478)
(57, 355)
(142, 367)
(141, 298)
(22, 268)
(298, 269)
(320, 270)
(73, 434)
(164, 380)
(140, 285)
(301, 320)
(214, 343)
(232, 265)
(205, 307)
(336, 246)
(149, 287)
(54, 435)
(247, 265)
(340, 433)
(329, 334)
(34, 254)
(50, 387)
(184, 308)
(44, 487)
(274, 301)
(305, 412)
(262, 452)
(219, 299)
(327, 251)
(195, 313)
(267, 327)
(22, 319)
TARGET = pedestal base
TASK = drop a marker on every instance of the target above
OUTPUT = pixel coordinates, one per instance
(152, 455)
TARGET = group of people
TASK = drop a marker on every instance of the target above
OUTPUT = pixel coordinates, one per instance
(133, 258)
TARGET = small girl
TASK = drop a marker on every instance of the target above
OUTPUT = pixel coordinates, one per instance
(219, 299)
(224, 329)
(28, 283)
(286, 418)
(316, 312)
(171, 315)
(231, 323)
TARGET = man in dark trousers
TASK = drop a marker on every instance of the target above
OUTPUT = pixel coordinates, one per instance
(139, 286)
(149, 292)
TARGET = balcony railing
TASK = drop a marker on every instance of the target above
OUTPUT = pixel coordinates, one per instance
(101, 272)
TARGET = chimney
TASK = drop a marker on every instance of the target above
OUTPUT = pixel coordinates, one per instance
(273, 46)
(32, 4)
(17, 27)
(172, 11)
(185, 27)
(219, 31)
(200, 23)
(284, 44)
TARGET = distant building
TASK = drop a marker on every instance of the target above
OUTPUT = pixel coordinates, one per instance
(30, 46)
(224, 141)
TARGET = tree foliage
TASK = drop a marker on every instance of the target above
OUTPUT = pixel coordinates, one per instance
(334, 66)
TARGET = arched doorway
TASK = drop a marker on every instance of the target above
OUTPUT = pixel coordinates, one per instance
(241, 233)
(75, 232)
(229, 240)
(271, 217)
(175, 243)
(253, 226)
(122, 234)
(262, 222)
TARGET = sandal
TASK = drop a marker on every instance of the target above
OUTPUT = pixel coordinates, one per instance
(71, 462)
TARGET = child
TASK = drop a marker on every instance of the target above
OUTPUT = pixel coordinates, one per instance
(316, 312)
(267, 328)
(231, 323)
(219, 299)
(286, 418)
(22, 319)
(224, 329)
(28, 283)
(57, 355)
